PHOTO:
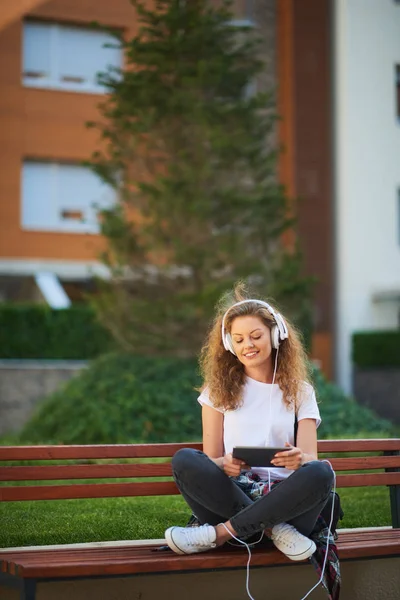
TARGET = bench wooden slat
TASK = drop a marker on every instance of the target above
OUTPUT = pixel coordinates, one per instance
(46, 473)
(54, 472)
(90, 490)
(153, 488)
(367, 479)
(43, 555)
(168, 450)
(124, 564)
(129, 560)
(369, 445)
(96, 451)
(353, 537)
(361, 463)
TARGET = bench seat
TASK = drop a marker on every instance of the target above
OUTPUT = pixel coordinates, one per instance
(129, 560)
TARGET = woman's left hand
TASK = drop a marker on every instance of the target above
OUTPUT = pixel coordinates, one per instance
(291, 459)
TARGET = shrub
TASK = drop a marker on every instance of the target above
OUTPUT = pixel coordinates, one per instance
(376, 348)
(37, 331)
(208, 208)
(120, 399)
(125, 398)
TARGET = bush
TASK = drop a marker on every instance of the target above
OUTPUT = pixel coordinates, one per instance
(124, 398)
(120, 399)
(36, 331)
(376, 348)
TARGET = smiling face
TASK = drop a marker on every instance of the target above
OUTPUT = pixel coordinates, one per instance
(252, 343)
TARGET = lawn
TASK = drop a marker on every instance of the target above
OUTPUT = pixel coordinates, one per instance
(88, 520)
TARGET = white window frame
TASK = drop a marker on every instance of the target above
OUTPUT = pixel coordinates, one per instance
(53, 81)
(58, 211)
(252, 87)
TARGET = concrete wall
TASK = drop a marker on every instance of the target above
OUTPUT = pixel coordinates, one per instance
(24, 383)
(379, 389)
(367, 48)
(361, 580)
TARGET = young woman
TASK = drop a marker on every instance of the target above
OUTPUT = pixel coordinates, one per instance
(255, 383)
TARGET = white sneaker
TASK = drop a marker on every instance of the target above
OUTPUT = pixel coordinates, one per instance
(292, 543)
(189, 540)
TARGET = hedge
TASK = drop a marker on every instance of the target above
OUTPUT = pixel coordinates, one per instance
(121, 398)
(37, 331)
(376, 348)
(124, 398)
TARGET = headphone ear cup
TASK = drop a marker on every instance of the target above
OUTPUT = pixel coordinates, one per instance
(275, 337)
(228, 343)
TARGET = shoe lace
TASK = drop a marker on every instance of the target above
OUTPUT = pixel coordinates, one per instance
(286, 533)
(198, 536)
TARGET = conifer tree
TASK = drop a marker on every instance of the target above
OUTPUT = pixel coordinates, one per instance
(187, 143)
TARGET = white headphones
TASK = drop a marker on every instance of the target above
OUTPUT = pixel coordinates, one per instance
(279, 332)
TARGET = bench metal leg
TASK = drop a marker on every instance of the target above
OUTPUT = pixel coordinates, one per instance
(28, 589)
(395, 505)
(394, 491)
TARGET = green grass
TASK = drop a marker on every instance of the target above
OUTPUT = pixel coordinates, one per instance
(89, 520)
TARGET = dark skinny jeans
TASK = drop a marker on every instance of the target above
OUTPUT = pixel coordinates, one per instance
(214, 497)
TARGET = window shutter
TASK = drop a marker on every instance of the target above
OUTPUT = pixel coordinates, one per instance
(37, 51)
(39, 196)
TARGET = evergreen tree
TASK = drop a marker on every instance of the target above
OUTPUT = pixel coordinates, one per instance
(188, 147)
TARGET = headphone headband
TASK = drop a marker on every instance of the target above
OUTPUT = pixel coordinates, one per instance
(283, 332)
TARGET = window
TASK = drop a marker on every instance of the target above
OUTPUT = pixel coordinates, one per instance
(251, 88)
(249, 10)
(66, 57)
(62, 197)
(397, 76)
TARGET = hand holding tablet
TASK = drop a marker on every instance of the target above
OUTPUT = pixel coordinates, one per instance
(257, 456)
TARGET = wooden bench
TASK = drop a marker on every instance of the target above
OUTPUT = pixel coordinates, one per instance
(23, 568)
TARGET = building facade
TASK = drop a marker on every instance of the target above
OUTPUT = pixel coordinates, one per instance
(46, 97)
(336, 65)
(48, 230)
(367, 171)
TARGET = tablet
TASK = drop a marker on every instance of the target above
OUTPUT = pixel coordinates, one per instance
(257, 456)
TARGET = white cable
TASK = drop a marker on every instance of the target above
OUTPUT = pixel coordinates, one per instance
(270, 394)
(258, 541)
(329, 533)
(334, 486)
(269, 486)
(269, 418)
(249, 559)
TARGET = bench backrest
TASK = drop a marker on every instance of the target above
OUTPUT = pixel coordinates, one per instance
(385, 458)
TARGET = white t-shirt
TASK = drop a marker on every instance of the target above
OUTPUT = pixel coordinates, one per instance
(250, 425)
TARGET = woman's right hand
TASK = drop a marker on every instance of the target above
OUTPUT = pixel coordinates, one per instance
(233, 466)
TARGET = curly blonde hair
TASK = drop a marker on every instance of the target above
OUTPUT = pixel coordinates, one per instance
(224, 375)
